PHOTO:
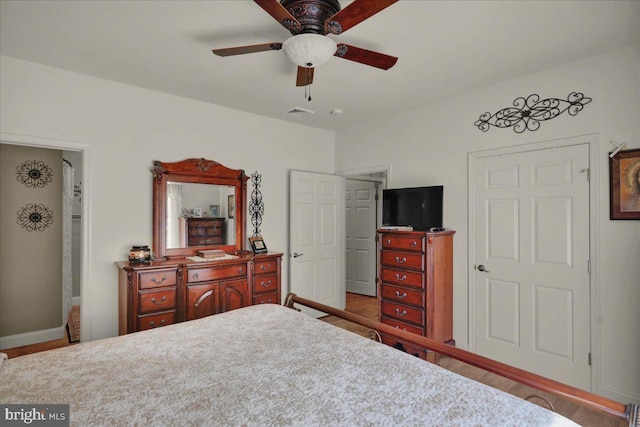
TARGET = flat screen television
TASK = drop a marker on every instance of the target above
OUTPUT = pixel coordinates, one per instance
(419, 207)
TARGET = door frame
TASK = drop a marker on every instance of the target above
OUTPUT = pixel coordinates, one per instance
(361, 174)
(592, 140)
(85, 251)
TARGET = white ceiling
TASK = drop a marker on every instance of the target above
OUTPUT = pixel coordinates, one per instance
(444, 48)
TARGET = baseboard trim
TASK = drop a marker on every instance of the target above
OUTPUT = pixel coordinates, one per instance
(35, 337)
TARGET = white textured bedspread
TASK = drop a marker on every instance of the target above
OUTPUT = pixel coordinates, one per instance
(261, 365)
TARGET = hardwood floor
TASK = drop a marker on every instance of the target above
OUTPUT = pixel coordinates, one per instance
(36, 348)
(368, 307)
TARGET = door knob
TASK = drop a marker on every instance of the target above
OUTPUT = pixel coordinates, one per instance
(482, 268)
(296, 254)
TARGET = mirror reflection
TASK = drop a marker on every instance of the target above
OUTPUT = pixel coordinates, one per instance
(200, 215)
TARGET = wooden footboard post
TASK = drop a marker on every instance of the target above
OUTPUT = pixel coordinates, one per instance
(629, 413)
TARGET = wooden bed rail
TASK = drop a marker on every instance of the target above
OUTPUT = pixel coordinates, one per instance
(629, 413)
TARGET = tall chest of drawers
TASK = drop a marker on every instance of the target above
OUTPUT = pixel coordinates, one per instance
(160, 293)
(415, 286)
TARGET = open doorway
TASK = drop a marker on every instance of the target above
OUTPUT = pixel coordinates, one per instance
(363, 217)
(70, 155)
(40, 216)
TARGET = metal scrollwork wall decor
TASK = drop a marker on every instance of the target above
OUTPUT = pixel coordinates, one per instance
(256, 206)
(35, 217)
(34, 174)
(527, 113)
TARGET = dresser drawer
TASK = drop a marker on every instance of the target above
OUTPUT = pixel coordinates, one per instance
(399, 242)
(157, 300)
(206, 274)
(402, 259)
(270, 298)
(402, 312)
(265, 266)
(402, 277)
(156, 320)
(157, 278)
(403, 326)
(402, 295)
(266, 283)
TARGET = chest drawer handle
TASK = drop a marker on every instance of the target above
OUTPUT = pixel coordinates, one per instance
(400, 278)
(387, 242)
(157, 282)
(414, 244)
(401, 295)
(266, 302)
(241, 270)
(265, 267)
(266, 284)
(401, 260)
(196, 275)
(401, 313)
(163, 299)
(398, 327)
(153, 324)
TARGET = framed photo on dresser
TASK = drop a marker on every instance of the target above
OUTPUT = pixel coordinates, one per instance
(257, 244)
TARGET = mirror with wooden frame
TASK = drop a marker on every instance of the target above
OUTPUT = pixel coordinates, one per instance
(198, 204)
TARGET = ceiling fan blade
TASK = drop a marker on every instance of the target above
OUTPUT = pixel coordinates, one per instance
(241, 50)
(305, 76)
(355, 13)
(364, 56)
(280, 14)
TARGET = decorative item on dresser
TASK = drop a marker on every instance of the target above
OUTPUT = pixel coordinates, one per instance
(183, 282)
(415, 286)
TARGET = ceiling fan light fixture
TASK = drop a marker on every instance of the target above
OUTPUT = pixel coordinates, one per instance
(309, 50)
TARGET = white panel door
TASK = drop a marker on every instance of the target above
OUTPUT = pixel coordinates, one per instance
(532, 254)
(317, 238)
(360, 199)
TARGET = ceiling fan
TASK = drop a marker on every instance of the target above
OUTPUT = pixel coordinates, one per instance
(309, 22)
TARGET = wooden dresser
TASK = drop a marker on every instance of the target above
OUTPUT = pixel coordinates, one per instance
(415, 286)
(205, 231)
(160, 293)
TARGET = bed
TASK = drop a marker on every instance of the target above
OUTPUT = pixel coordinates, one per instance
(259, 365)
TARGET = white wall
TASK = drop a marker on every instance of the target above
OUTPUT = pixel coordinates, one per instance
(430, 145)
(126, 129)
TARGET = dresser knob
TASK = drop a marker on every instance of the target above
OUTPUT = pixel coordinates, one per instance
(401, 313)
(387, 242)
(153, 324)
(401, 260)
(196, 275)
(266, 284)
(401, 296)
(163, 299)
(241, 270)
(265, 267)
(414, 244)
(154, 280)
(401, 278)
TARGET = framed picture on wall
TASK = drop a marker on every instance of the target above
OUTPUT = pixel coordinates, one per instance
(231, 206)
(257, 244)
(624, 185)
